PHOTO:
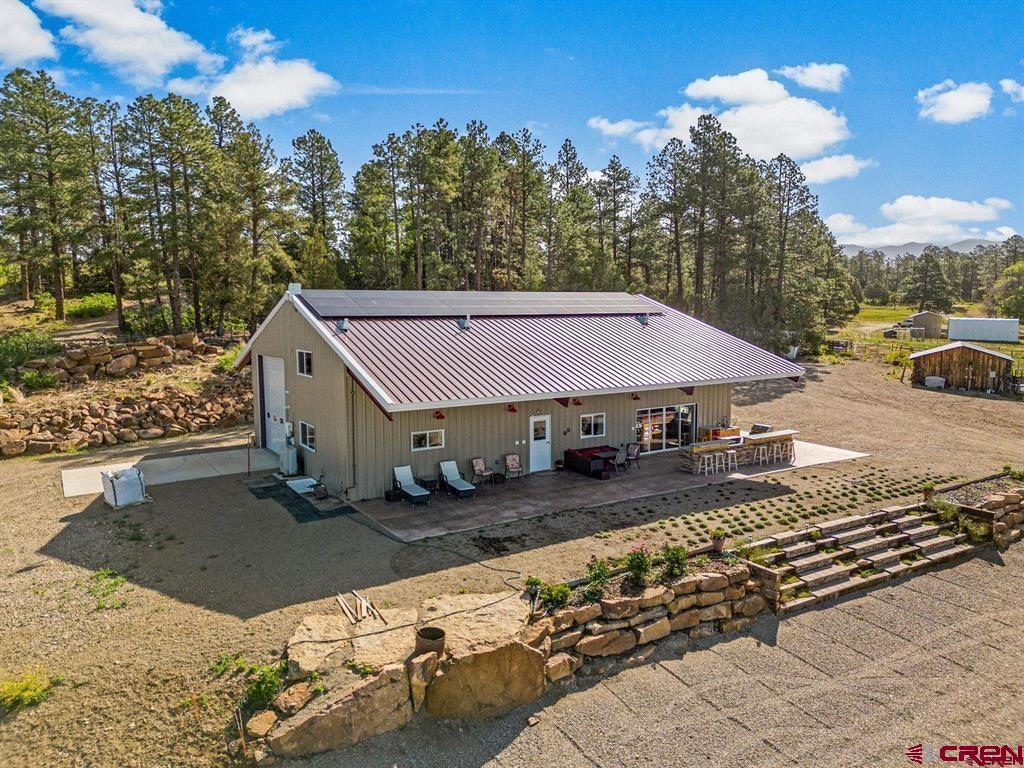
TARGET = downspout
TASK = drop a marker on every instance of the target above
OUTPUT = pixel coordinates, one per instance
(352, 431)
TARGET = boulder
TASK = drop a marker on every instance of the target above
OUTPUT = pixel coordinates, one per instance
(486, 683)
(603, 627)
(560, 666)
(314, 639)
(684, 620)
(566, 639)
(294, 698)
(751, 605)
(704, 629)
(421, 670)
(13, 448)
(653, 630)
(260, 724)
(585, 613)
(656, 595)
(342, 718)
(39, 447)
(119, 366)
(607, 644)
(712, 582)
(620, 607)
(649, 615)
(151, 434)
(127, 435)
(712, 612)
(734, 592)
(562, 619)
(737, 573)
(686, 585)
(682, 603)
(709, 598)
(535, 634)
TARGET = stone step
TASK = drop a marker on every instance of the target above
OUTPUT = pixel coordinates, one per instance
(867, 546)
(817, 560)
(785, 538)
(799, 549)
(792, 586)
(839, 588)
(939, 542)
(855, 534)
(796, 605)
(822, 576)
(853, 521)
(897, 511)
(949, 553)
(921, 532)
(886, 557)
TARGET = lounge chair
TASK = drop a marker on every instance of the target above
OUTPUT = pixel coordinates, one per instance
(453, 481)
(406, 483)
(481, 471)
(513, 466)
(633, 454)
(618, 461)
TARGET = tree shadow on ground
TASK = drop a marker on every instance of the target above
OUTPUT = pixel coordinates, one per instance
(757, 392)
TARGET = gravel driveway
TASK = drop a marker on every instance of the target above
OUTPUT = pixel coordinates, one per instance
(938, 659)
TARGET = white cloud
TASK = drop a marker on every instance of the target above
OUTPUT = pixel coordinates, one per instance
(260, 85)
(947, 102)
(255, 42)
(1013, 89)
(826, 169)
(762, 115)
(130, 38)
(614, 128)
(22, 37)
(750, 87)
(920, 219)
(268, 86)
(820, 77)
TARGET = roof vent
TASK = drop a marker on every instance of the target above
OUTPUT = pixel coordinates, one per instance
(464, 323)
(341, 325)
(644, 320)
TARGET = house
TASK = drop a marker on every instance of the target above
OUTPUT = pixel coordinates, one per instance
(1002, 329)
(363, 381)
(962, 365)
(930, 323)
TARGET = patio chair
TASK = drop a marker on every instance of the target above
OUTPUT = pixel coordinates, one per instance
(618, 461)
(406, 483)
(633, 454)
(481, 471)
(453, 481)
(513, 466)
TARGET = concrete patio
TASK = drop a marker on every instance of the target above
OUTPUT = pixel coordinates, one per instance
(547, 492)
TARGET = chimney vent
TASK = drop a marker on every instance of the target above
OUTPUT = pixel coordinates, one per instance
(464, 323)
(341, 325)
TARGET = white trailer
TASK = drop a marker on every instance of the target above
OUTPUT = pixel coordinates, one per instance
(984, 329)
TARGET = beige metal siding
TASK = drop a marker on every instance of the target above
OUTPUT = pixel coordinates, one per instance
(491, 431)
(321, 401)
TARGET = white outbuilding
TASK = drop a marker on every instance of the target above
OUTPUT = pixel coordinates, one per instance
(1002, 329)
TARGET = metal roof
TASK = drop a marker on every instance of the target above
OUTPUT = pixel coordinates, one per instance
(430, 361)
(960, 345)
(460, 303)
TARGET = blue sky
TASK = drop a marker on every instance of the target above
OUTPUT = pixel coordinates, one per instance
(908, 117)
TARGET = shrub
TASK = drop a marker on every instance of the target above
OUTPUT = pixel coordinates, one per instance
(45, 303)
(976, 530)
(756, 555)
(533, 584)
(673, 562)
(226, 362)
(18, 346)
(34, 381)
(947, 511)
(638, 565)
(153, 321)
(598, 574)
(553, 596)
(93, 305)
(719, 534)
(264, 684)
(26, 690)
(815, 534)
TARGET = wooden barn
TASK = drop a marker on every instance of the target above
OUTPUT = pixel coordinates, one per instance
(964, 366)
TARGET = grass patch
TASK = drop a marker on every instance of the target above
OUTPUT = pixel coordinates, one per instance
(103, 585)
(26, 690)
(264, 683)
(93, 305)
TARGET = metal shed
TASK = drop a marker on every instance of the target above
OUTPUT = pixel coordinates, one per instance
(930, 323)
(1004, 329)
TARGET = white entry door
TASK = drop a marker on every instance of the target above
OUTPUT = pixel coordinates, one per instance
(275, 425)
(540, 443)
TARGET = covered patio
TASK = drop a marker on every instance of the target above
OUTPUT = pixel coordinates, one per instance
(545, 492)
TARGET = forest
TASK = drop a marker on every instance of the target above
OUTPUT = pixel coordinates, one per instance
(189, 219)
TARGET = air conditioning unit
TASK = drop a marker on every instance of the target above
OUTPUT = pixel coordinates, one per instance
(288, 460)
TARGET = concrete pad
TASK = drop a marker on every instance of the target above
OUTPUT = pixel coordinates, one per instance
(169, 469)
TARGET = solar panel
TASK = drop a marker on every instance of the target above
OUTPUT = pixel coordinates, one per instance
(483, 303)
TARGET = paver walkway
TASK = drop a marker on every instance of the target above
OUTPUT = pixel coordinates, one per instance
(937, 658)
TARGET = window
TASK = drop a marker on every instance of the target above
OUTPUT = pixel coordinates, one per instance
(592, 425)
(428, 440)
(666, 428)
(307, 436)
(304, 363)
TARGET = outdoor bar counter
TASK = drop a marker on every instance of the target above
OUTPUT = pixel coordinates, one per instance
(744, 446)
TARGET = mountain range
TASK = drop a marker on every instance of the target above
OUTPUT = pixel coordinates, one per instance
(915, 249)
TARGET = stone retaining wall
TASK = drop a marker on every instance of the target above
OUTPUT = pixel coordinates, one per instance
(1005, 513)
(80, 364)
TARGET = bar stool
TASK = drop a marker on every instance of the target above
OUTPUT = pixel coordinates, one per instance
(731, 460)
(705, 463)
(761, 454)
(776, 452)
(791, 450)
(719, 461)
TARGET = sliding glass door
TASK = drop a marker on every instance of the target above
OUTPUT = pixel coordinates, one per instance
(666, 428)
